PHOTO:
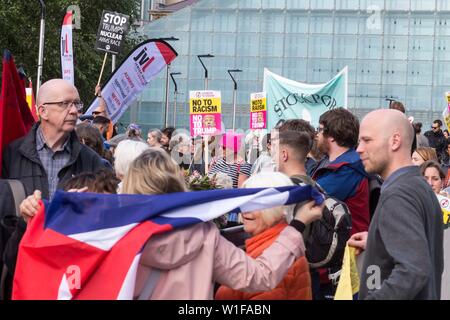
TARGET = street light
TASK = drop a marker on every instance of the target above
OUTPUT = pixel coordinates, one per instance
(167, 83)
(175, 93)
(234, 93)
(206, 70)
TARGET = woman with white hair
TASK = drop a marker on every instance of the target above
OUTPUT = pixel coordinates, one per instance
(265, 226)
(124, 155)
(154, 138)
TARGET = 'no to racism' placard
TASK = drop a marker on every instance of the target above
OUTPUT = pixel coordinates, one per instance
(206, 112)
(258, 110)
(112, 31)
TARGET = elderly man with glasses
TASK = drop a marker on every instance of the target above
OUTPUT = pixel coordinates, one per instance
(436, 139)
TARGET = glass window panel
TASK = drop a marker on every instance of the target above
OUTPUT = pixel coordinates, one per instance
(321, 23)
(180, 64)
(320, 46)
(394, 72)
(224, 44)
(272, 21)
(393, 92)
(250, 67)
(396, 24)
(273, 64)
(244, 90)
(420, 73)
(347, 4)
(206, 4)
(179, 20)
(403, 5)
(371, 23)
(253, 4)
(346, 24)
(339, 64)
(420, 48)
(423, 5)
(295, 69)
(443, 25)
(370, 47)
(422, 25)
(248, 44)
(296, 45)
(443, 5)
(201, 42)
(249, 21)
(418, 97)
(345, 47)
(395, 48)
(368, 71)
(322, 4)
(441, 74)
(220, 66)
(297, 22)
(272, 45)
(439, 102)
(371, 4)
(273, 4)
(297, 4)
(225, 21)
(442, 48)
(319, 70)
(367, 96)
(202, 20)
(226, 4)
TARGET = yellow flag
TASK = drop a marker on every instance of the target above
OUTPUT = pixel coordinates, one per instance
(348, 284)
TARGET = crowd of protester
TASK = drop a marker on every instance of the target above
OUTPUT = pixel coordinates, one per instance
(403, 235)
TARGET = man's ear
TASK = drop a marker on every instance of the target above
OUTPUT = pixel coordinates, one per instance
(284, 155)
(396, 141)
(43, 113)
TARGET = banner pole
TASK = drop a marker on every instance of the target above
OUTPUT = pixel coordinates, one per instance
(206, 154)
(103, 67)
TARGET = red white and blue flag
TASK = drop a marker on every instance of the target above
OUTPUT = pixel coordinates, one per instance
(87, 246)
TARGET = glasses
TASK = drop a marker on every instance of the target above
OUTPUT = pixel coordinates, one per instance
(66, 104)
(434, 127)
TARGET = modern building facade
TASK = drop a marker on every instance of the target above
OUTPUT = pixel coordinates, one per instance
(394, 50)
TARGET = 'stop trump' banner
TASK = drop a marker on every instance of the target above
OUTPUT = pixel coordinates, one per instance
(288, 99)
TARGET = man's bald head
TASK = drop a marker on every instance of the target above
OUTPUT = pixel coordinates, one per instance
(51, 90)
(390, 121)
(385, 140)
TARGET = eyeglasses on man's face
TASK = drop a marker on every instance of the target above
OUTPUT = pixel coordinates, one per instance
(66, 104)
(434, 128)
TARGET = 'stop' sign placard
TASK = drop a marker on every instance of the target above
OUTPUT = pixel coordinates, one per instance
(112, 31)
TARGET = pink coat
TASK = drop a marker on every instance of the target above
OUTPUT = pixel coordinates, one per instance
(192, 259)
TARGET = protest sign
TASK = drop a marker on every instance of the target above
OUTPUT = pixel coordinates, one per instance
(67, 49)
(258, 111)
(348, 285)
(288, 99)
(112, 31)
(140, 67)
(206, 112)
(446, 113)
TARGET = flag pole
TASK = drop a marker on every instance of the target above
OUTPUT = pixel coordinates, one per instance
(41, 47)
(103, 67)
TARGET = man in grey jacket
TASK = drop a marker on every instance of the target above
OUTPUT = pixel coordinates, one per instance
(404, 245)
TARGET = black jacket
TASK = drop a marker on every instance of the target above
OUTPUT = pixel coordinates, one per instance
(21, 161)
(437, 140)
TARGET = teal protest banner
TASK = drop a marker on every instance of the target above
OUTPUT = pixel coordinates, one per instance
(288, 99)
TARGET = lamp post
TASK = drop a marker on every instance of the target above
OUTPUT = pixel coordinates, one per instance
(41, 47)
(175, 93)
(204, 67)
(167, 84)
(234, 93)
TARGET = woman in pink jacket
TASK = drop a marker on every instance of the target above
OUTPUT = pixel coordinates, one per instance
(189, 261)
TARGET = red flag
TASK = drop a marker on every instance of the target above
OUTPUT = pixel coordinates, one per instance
(15, 116)
(30, 100)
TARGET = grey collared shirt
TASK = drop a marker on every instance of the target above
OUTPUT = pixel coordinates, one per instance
(53, 162)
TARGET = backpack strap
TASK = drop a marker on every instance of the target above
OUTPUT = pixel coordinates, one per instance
(150, 284)
(329, 255)
(18, 192)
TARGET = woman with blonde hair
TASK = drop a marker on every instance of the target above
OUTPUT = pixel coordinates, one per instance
(185, 263)
(422, 154)
(264, 226)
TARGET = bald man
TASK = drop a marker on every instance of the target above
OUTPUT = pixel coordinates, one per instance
(404, 245)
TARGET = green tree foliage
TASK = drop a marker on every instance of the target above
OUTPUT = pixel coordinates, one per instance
(20, 27)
